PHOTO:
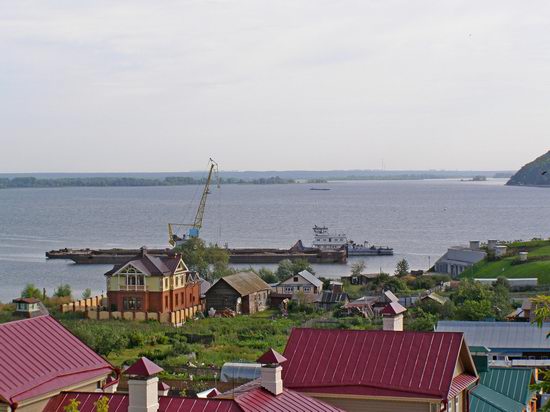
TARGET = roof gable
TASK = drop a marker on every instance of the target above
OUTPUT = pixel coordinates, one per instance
(419, 363)
(311, 278)
(151, 265)
(244, 283)
(58, 359)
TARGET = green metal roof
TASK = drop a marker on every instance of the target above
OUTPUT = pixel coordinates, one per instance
(502, 390)
(484, 399)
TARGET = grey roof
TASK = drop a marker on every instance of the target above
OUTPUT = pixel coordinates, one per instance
(244, 283)
(311, 278)
(500, 335)
(390, 296)
(150, 265)
(332, 297)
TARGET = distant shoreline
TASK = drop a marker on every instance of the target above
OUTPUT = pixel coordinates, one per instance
(45, 183)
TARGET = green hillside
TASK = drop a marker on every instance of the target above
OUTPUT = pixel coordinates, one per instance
(537, 265)
(536, 173)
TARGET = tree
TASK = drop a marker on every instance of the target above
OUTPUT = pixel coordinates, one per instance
(31, 291)
(358, 268)
(422, 321)
(72, 406)
(87, 293)
(470, 290)
(542, 313)
(288, 268)
(395, 284)
(402, 268)
(102, 404)
(475, 310)
(63, 291)
(267, 275)
(211, 262)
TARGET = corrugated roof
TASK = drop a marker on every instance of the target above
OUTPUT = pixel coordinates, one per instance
(461, 382)
(329, 296)
(271, 357)
(119, 403)
(311, 278)
(393, 308)
(484, 399)
(510, 382)
(260, 400)
(363, 362)
(500, 335)
(39, 356)
(245, 283)
(254, 399)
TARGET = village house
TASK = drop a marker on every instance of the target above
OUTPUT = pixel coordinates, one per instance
(378, 371)
(304, 282)
(511, 343)
(157, 284)
(29, 307)
(459, 258)
(501, 389)
(39, 359)
(243, 292)
(266, 394)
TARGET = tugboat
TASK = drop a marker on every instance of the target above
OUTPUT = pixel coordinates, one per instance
(325, 240)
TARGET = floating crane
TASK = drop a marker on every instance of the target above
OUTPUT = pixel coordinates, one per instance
(194, 228)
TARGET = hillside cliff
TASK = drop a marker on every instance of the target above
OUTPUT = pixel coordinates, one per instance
(536, 173)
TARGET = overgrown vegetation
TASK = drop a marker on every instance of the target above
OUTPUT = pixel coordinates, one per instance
(209, 341)
(212, 262)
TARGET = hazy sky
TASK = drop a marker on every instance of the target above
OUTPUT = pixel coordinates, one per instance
(281, 84)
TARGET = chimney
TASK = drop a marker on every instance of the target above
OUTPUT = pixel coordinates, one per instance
(474, 244)
(392, 317)
(143, 391)
(271, 379)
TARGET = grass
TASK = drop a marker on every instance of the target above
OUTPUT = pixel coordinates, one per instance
(533, 268)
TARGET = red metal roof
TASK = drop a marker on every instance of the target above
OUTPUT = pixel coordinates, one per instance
(393, 308)
(119, 403)
(460, 383)
(271, 357)
(39, 356)
(260, 400)
(255, 400)
(144, 368)
(362, 362)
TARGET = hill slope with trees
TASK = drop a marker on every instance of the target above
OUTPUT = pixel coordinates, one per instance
(536, 173)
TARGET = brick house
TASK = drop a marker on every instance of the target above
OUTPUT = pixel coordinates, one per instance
(147, 283)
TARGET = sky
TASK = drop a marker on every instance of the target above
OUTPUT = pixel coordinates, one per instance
(126, 86)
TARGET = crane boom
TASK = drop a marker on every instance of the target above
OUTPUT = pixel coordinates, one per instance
(202, 205)
(194, 228)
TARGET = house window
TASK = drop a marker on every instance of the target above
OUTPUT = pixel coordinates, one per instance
(131, 303)
(166, 283)
(455, 404)
(288, 289)
(295, 278)
(307, 289)
(177, 299)
(166, 302)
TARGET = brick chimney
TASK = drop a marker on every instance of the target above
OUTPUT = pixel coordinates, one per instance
(392, 317)
(143, 391)
(271, 379)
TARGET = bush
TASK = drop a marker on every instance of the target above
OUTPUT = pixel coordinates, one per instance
(63, 291)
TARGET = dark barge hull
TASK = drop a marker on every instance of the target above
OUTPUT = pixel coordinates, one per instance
(243, 256)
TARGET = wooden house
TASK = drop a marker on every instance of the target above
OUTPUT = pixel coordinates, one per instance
(244, 292)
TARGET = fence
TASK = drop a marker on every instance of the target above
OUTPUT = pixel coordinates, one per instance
(175, 318)
(84, 305)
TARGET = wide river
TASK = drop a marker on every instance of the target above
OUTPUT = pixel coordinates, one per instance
(419, 219)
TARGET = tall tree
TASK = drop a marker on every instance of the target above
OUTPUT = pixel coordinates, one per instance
(402, 268)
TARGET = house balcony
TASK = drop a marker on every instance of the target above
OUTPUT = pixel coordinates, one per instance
(133, 288)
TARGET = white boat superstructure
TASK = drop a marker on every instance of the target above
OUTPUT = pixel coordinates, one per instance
(325, 240)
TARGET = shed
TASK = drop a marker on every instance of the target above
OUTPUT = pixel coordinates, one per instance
(243, 292)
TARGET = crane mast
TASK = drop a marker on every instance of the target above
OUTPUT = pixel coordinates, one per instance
(194, 228)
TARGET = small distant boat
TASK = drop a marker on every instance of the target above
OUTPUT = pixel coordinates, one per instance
(319, 188)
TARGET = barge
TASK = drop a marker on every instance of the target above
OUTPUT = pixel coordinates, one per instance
(236, 255)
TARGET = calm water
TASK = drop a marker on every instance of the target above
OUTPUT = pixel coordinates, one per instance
(418, 218)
